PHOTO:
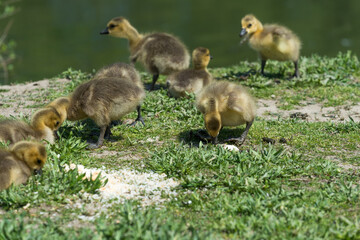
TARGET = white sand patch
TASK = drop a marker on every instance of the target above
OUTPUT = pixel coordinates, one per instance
(126, 184)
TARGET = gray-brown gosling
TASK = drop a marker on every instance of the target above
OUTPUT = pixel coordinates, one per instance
(43, 124)
(160, 53)
(191, 80)
(271, 41)
(105, 99)
(20, 162)
(226, 104)
(120, 70)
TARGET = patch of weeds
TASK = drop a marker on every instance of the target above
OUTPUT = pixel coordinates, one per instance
(346, 127)
(252, 194)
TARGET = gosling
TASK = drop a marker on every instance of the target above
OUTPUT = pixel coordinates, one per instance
(160, 53)
(106, 99)
(60, 105)
(43, 125)
(271, 41)
(18, 163)
(226, 104)
(191, 80)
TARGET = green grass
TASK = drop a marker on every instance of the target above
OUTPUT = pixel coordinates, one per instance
(294, 190)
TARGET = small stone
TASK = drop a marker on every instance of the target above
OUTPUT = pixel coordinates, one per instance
(230, 147)
(268, 140)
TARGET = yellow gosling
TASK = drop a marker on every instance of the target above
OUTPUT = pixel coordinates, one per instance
(43, 124)
(226, 104)
(18, 163)
(271, 41)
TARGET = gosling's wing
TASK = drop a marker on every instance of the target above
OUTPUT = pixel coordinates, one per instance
(233, 103)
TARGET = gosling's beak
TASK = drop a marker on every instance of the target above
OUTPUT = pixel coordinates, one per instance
(38, 171)
(243, 32)
(211, 57)
(214, 140)
(106, 31)
(56, 134)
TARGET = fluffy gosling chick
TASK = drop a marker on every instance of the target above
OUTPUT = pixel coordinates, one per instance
(18, 163)
(160, 53)
(106, 99)
(43, 124)
(191, 80)
(226, 104)
(271, 41)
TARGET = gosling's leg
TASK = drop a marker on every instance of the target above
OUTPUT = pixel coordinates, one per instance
(263, 63)
(107, 132)
(155, 78)
(296, 73)
(100, 139)
(139, 117)
(240, 140)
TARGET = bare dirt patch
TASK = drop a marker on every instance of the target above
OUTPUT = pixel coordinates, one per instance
(268, 109)
(16, 99)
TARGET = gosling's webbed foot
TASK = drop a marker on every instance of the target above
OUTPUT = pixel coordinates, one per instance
(139, 119)
(93, 146)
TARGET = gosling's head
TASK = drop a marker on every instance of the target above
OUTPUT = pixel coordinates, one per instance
(32, 153)
(201, 57)
(117, 27)
(46, 117)
(213, 123)
(61, 105)
(250, 24)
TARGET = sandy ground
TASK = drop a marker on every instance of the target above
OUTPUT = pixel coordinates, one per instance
(16, 100)
(313, 112)
(128, 184)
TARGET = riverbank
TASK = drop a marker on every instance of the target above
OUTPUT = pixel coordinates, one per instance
(306, 185)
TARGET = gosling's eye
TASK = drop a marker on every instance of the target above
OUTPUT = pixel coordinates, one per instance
(111, 26)
(249, 25)
(57, 123)
(39, 161)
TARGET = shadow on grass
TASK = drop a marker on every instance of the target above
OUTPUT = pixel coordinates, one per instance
(192, 138)
(158, 86)
(87, 131)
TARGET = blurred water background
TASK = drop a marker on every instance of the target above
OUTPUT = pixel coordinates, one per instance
(53, 35)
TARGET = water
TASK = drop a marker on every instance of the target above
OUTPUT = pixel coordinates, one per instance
(53, 35)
